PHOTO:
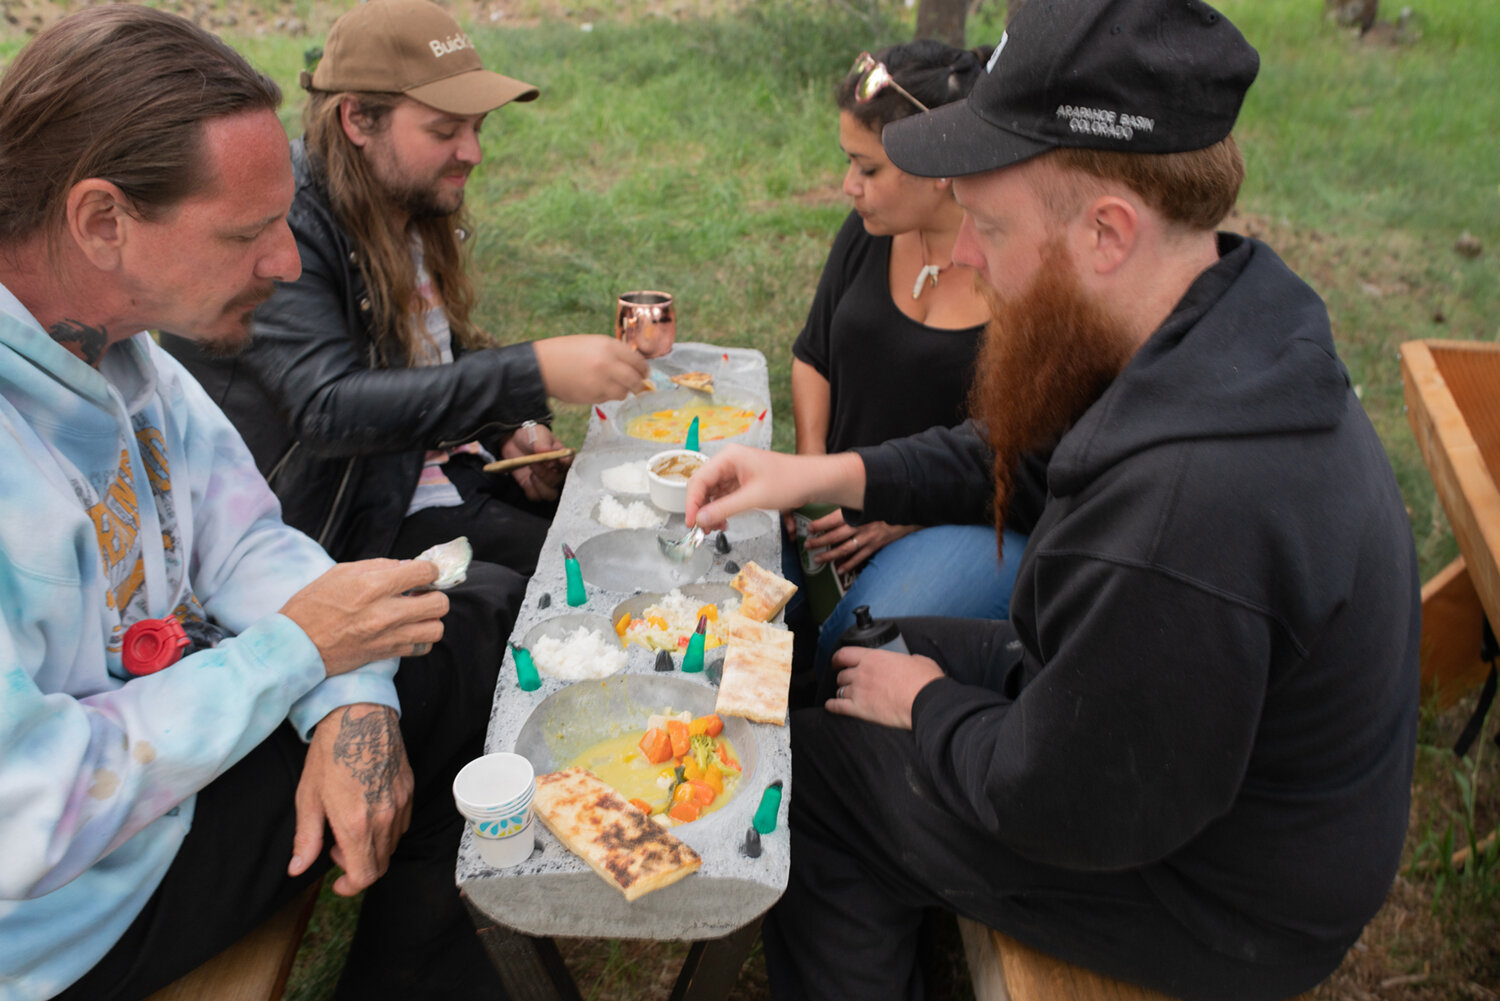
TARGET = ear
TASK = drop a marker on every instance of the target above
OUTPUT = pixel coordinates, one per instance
(97, 221)
(1111, 226)
(349, 119)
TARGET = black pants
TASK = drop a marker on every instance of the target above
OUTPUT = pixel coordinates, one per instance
(873, 848)
(414, 939)
(501, 524)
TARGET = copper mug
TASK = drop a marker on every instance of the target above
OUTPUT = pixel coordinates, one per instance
(647, 322)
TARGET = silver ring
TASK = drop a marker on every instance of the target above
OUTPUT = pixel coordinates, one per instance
(854, 539)
(420, 649)
(840, 693)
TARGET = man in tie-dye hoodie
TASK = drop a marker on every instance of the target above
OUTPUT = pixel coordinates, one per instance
(149, 819)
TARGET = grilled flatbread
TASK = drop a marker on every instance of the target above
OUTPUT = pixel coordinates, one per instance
(624, 846)
(703, 382)
(757, 673)
(765, 593)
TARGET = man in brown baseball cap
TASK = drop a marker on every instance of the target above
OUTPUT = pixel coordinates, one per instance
(415, 48)
(369, 396)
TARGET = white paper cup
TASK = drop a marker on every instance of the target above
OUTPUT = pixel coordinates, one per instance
(494, 793)
(670, 492)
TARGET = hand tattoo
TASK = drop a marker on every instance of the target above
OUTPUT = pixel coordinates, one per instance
(84, 341)
(369, 746)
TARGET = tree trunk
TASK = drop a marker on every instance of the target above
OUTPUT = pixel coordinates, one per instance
(943, 20)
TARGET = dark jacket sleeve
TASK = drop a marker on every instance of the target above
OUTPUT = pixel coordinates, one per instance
(1129, 739)
(945, 476)
(319, 372)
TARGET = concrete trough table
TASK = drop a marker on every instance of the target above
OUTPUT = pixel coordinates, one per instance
(555, 893)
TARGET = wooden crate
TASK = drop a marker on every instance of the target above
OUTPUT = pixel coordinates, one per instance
(1452, 391)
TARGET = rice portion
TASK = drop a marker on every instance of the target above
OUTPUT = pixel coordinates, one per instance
(626, 478)
(636, 514)
(580, 655)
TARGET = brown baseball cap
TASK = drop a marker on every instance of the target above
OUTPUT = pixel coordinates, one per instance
(416, 48)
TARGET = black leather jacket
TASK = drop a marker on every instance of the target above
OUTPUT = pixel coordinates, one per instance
(339, 438)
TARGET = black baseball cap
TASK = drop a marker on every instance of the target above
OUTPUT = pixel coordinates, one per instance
(1137, 76)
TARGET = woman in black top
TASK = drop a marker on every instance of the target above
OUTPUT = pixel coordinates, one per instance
(889, 346)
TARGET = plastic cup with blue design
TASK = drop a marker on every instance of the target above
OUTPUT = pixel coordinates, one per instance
(494, 793)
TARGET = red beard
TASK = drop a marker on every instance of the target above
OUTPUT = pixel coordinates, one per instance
(1048, 354)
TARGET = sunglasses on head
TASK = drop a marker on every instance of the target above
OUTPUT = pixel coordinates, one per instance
(873, 78)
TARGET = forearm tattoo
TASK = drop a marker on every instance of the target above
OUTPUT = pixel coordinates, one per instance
(84, 341)
(369, 746)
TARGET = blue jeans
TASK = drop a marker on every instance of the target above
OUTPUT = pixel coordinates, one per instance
(945, 570)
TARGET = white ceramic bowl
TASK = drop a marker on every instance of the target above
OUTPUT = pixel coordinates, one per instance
(669, 492)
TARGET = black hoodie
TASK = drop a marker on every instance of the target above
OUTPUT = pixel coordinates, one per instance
(1218, 615)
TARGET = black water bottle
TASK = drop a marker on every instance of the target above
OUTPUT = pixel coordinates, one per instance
(877, 634)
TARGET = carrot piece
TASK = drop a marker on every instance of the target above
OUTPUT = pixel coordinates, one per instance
(715, 725)
(702, 793)
(678, 732)
(714, 778)
(682, 641)
(709, 612)
(623, 624)
(690, 769)
(642, 806)
(697, 726)
(656, 745)
(729, 762)
(684, 812)
(683, 793)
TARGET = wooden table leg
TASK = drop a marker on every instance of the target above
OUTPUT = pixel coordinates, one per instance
(712, 967)
(530, 968)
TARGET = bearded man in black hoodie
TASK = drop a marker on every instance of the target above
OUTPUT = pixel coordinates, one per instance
(1186, 759)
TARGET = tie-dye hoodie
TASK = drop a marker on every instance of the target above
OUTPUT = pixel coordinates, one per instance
(127, 494)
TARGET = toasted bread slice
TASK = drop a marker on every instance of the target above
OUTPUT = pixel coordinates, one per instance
(765, 593)
(624, 846)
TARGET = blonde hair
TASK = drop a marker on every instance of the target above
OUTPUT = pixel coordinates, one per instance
(362, 207)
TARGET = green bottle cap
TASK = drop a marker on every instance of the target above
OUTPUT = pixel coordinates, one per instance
(692, 660)
(576, 593)
(526, 675)
(770, 805)
(692, 436)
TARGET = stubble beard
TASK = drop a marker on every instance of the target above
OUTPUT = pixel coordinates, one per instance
(231, 342)
(1048, 354)
(424, 201)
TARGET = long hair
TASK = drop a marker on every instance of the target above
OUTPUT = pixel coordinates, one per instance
(121, 93)
(933, 72)
(362, 207)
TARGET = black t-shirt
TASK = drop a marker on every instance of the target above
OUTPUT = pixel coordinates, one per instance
(889, 376)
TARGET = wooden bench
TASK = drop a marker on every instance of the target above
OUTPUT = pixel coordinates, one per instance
(1003, 969)
(256, 967)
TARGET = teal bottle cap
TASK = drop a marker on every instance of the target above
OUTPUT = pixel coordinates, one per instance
(576, 594)
(770, 805)
(526, 675)
(692, 660)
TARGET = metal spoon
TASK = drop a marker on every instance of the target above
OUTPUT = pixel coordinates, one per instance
(680, 549)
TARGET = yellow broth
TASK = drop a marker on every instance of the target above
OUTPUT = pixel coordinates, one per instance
(714, 422)
(620, 763)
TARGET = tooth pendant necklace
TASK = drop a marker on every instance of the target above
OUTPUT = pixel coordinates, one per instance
(929, 273)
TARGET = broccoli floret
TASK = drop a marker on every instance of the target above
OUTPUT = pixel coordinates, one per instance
(702, 747)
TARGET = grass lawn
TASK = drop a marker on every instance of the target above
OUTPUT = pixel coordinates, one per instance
(698, 153)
